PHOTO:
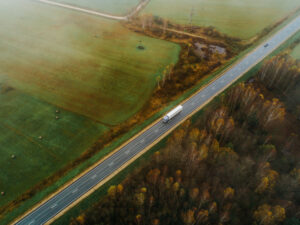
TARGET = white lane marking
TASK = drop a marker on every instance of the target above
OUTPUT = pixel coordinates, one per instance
(75, 190)
(222, 81)
(202, 96)
(53, 206)
(213, 88)
(127, 152)
(193, 103)
(94, 176)
(142, 141)
(112, 163)
(31, 222)
(156, 131)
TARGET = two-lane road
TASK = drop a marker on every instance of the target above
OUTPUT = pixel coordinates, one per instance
(81, 186)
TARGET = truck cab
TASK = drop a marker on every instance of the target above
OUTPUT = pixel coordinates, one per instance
(166, 119)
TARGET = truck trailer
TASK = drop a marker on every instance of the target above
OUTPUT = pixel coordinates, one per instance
(172, 113)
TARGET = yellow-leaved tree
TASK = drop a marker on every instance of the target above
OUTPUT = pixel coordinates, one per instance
(268, 215)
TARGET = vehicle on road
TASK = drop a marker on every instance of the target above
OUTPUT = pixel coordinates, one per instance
(266, 45)
(172, 113)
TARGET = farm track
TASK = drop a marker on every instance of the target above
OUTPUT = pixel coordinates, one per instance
(134, 12)
(204, 37)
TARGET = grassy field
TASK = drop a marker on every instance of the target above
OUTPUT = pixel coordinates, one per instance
(23, 120)
(237, 18)
(115, 7)
(81, 63)
(87, 67)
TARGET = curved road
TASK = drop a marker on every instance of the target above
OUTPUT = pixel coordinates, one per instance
(60, 201)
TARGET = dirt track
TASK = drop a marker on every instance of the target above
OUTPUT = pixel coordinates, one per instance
(136, 10)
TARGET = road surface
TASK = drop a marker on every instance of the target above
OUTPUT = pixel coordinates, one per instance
(136, 10)
(60, 201)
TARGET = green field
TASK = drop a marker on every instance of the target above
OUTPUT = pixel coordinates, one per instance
(239, 18)
(115, 7)
(87, 67)
(23, 120)
(78, 62)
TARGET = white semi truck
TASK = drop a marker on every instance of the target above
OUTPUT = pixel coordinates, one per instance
(172, 113)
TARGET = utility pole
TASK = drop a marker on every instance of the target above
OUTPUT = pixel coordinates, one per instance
(191, 17)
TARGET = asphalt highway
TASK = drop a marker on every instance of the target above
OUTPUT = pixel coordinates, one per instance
(63, 199)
